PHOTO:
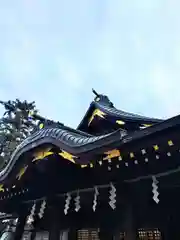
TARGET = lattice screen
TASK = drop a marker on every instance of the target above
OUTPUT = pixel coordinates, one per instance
(150, 234)
(88, 234)
(92, 234)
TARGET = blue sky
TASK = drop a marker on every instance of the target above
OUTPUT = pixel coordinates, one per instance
(55, 51)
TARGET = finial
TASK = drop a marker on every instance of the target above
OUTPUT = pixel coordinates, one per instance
(95, 93)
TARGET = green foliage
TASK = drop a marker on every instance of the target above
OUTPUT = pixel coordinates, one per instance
(15, 126)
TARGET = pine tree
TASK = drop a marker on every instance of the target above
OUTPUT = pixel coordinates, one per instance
(15, 125)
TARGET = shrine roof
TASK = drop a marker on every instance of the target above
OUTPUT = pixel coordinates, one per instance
(68, 152)
(81, 148)
(103, 104)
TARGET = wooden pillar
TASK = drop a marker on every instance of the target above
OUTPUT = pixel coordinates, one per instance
(72, 234)
(105, 234)
(64, 235)
(129, 223)
(34, 230)
(172, 230)
(54, 231)
(117, 235)
(33, 234)
(20, 225)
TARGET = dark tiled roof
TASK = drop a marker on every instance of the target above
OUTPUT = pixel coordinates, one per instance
(125, 115)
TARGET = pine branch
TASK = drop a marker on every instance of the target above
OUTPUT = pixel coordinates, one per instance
(15, 126)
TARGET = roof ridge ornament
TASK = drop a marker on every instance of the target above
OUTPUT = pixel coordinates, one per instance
(104, 99)
(95, 93)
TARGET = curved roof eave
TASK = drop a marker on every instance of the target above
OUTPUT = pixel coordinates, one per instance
(122, 115)
(126, 115)
(86, 116)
